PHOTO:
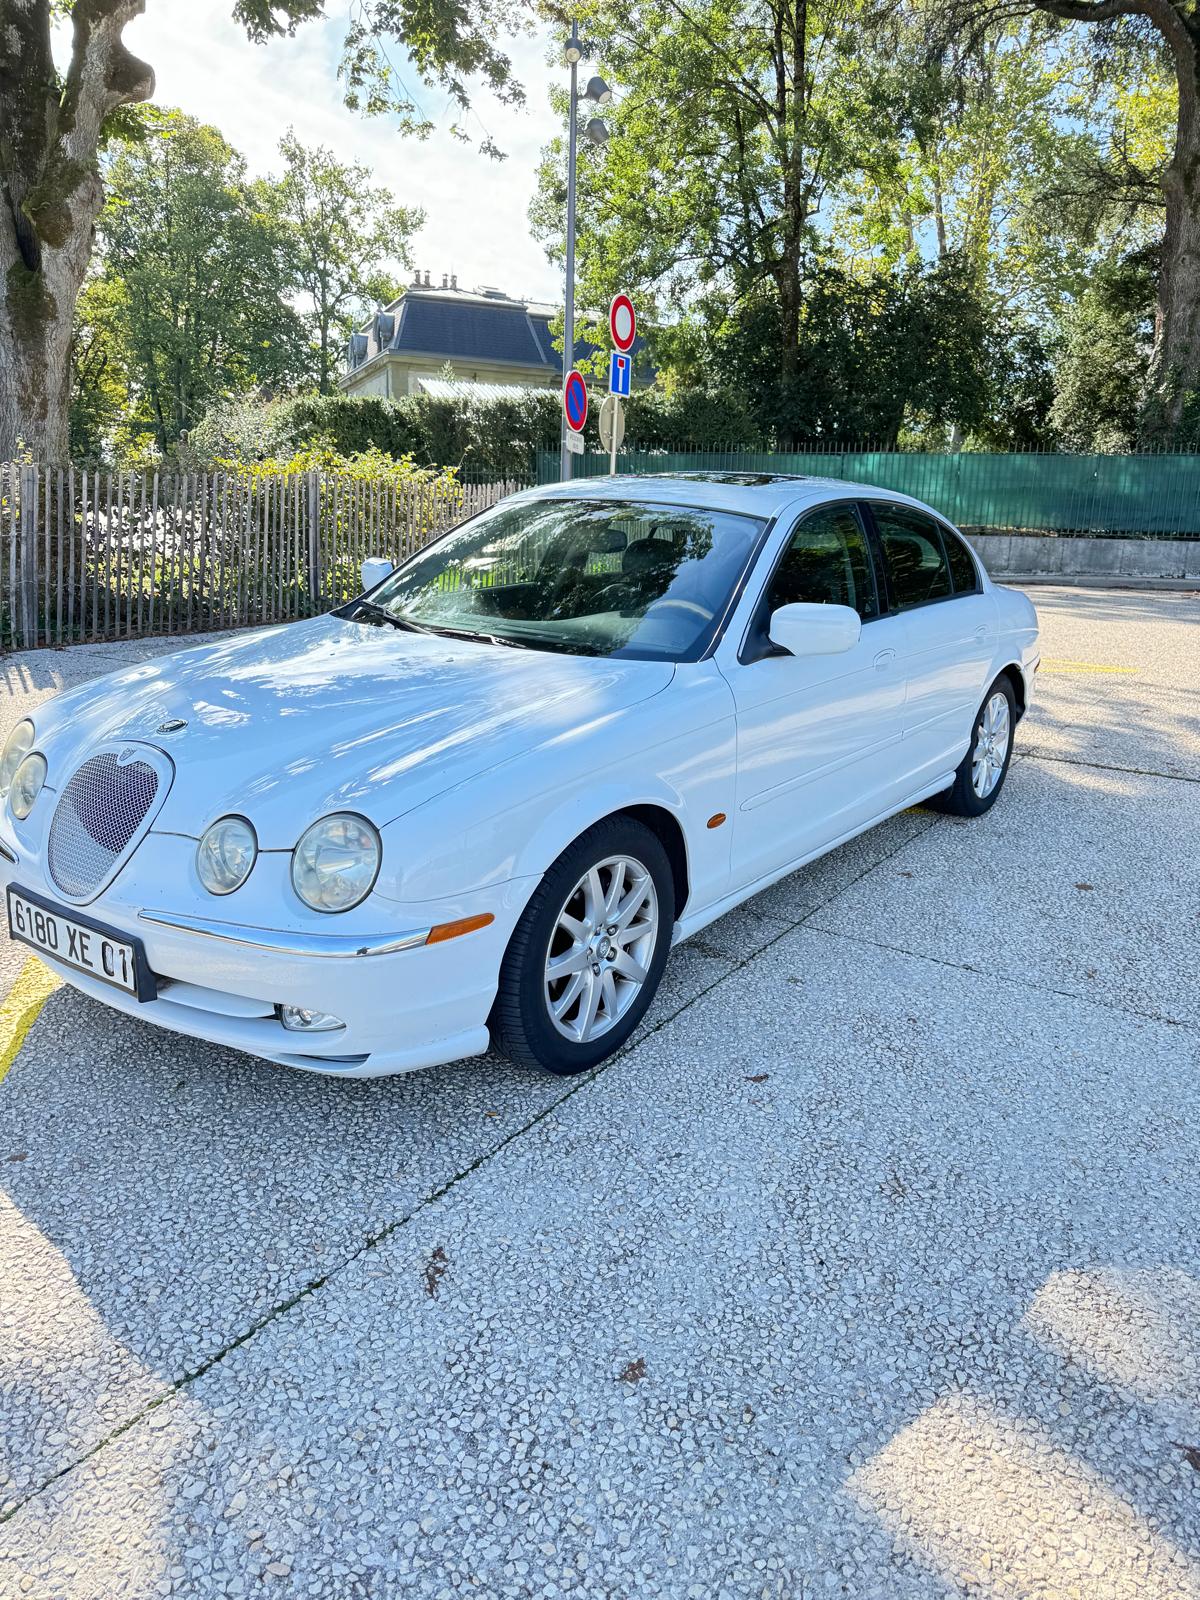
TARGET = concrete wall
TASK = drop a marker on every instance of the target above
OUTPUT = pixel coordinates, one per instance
(1027, 556)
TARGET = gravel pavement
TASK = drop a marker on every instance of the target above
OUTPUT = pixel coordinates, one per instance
(870, 1268)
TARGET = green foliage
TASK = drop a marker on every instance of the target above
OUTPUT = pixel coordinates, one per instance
(1105, 354)
(348, 488)
(344, 237)
(480, 439)
(196, 275)
(864, 238)
(909, 348)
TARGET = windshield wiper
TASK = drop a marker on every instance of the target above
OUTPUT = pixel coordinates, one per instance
(372, 610)
(481, 638)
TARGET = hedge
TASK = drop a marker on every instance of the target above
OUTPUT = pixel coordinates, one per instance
(483, 438)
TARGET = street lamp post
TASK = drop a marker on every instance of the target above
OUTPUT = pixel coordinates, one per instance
(598, 93)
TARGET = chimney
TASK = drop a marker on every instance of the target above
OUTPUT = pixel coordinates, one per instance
(416, 283)
(454, 280)
(445, 281)
(427, 284)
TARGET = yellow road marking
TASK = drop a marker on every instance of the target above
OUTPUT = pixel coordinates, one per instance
(19, 1011)
(1057, 664)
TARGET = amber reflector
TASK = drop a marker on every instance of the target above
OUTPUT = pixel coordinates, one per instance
(716, 819)
(451, 930)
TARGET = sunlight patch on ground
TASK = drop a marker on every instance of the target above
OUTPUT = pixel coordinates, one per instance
(1137, 1329)
(991, 1503)
(21, 1008)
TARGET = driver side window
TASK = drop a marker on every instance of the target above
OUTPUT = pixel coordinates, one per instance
(827, 563)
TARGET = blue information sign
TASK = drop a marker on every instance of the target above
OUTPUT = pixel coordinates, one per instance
(620, 373)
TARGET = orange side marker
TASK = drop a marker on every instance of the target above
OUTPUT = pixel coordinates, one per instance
(453, 930)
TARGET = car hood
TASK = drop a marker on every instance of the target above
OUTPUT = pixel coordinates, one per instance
(286, 724)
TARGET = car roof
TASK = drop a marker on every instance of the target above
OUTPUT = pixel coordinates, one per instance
(758, 494)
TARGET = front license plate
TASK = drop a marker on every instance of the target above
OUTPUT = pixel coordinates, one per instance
(79, 942)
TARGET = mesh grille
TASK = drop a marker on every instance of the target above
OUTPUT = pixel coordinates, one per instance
(100, 811)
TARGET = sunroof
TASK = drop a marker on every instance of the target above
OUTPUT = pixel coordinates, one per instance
(741, 480)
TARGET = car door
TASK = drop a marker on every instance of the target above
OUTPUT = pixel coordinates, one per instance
(818, 737)
(950, 623)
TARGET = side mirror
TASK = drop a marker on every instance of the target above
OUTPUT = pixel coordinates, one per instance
(374, 570)
(815, 630)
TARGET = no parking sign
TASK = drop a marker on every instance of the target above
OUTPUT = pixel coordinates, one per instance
(575, 402)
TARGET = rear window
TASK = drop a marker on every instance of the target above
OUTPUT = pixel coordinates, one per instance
(912, 546)
(962, 563)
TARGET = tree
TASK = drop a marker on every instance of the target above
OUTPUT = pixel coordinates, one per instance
(344, 234)
(734, 124)
(200, 274)
(985, 142)
(51, 130)
(100, 376)
(1170, 28)
(1106, 346)
(738, 134)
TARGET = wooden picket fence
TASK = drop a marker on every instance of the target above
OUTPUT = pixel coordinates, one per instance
(89, 555)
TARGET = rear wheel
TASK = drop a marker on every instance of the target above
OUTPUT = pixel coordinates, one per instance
(588, 954)
(983, 769)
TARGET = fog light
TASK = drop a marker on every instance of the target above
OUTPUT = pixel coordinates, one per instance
(296, 1019)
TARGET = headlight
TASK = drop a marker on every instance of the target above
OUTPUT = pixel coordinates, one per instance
(225, 855)
(16, 747)
(336, 862)
(26, 786)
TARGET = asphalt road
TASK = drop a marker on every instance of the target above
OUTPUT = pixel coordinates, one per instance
(871, 1267)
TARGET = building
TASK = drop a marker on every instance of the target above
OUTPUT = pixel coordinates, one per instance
(484, 336)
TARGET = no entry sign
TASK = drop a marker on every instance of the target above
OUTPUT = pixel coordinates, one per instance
(575, 402)
(622, 323)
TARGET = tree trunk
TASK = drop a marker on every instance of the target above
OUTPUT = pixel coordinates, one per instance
(50, 195)
(1172, 403)
(37, 314)
(324, 387)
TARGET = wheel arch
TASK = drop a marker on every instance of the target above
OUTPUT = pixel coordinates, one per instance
(561, 829)
(666, 827)
(1016, 678)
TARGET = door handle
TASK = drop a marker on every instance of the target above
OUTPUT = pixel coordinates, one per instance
(884, 660)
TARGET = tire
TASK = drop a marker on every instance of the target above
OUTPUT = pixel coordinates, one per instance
(522, 1024)
(963, 798)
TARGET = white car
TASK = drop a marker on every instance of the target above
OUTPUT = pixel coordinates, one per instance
(480, 803)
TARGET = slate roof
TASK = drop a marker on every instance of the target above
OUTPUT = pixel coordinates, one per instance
(475, 330)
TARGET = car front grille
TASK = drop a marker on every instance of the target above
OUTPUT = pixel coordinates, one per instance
(99, 817)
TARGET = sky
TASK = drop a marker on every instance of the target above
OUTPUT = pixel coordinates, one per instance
(476, 223)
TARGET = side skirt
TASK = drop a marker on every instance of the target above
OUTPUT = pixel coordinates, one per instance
(687, 926)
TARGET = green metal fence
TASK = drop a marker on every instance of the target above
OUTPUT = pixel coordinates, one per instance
(1134, 496)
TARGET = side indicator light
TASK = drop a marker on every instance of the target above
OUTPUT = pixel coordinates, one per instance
(452, 930)
(716, 819)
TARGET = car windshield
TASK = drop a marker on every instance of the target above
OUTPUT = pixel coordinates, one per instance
(595, 577)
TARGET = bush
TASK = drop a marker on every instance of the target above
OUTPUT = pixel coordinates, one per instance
(480, 439)
(365, 489)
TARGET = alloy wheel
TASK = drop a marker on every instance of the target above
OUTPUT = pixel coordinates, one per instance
(601, 949)
(991, 746)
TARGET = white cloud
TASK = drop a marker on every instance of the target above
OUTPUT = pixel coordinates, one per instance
(475, 208)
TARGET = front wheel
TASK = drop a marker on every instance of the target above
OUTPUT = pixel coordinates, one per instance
(983, 769)
(588, 953)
